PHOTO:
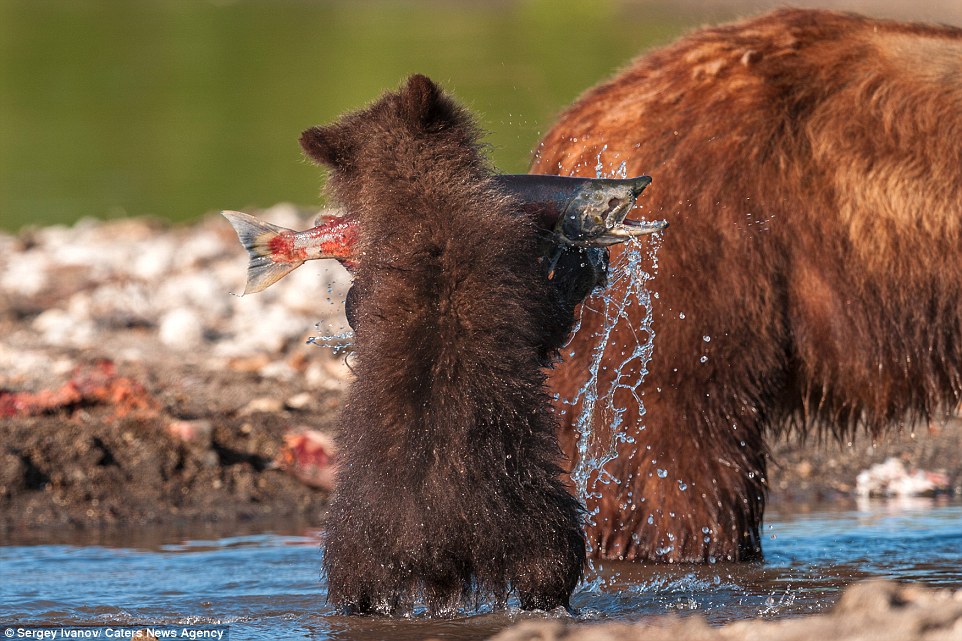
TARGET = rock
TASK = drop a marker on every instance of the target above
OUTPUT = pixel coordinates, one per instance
(93, 278)
(201, 292)
(330, 373)
(62, 328)
(13, 473)
(196, 432)
(27, 275)
(301, 401)
(252, 363)
(264, 404)
(181, 329)
(155, 261)
(200, 247)
(873, 610)
(891, 478)
(280, 370)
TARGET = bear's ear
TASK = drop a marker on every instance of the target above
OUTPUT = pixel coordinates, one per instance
(325, 146)
(424, 105)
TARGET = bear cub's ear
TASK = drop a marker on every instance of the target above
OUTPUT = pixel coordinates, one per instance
(424, 105)
(325, 146)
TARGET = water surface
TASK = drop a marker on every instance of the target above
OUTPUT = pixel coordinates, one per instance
(268, 586)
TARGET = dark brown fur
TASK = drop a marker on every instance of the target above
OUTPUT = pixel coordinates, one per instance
(810, 165)
(448, 489)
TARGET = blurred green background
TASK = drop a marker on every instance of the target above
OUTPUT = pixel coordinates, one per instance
(179, 107)
(175, 107)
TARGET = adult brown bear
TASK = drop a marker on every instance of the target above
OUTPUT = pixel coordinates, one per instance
(810, 163)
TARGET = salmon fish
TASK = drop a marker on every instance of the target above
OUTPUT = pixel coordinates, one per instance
(584, 212)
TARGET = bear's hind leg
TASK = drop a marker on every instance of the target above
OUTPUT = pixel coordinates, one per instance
(547, 570)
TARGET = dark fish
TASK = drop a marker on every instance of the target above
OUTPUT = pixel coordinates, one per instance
(585, 212)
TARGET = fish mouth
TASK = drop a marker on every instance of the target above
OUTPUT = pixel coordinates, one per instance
(597, 214)
(626, 230)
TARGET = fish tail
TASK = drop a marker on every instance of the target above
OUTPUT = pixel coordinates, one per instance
(264, 268)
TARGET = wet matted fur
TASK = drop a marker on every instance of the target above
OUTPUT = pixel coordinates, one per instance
(448, 489)
(810, 165)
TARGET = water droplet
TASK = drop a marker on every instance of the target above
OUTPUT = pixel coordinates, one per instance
(682, 486)
(651, 520)
(707, 339)
(681, 315)
(662, 473)
(703, 359)
(335, 342)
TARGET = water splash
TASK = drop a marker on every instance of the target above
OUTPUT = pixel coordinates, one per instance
(626, 296)
(337, 342)
(627, 281)
(772, 606)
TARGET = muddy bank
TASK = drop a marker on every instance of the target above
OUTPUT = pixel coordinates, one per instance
(91, 466)
(869, 611)
(136, 391)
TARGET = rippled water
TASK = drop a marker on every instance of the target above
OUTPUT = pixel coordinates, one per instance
(268, 585)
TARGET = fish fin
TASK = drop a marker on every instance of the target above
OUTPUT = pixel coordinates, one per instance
(256, 236)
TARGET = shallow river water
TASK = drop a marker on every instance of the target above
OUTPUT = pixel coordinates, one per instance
(268, 586)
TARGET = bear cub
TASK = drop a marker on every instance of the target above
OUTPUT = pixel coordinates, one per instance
(448, 488)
